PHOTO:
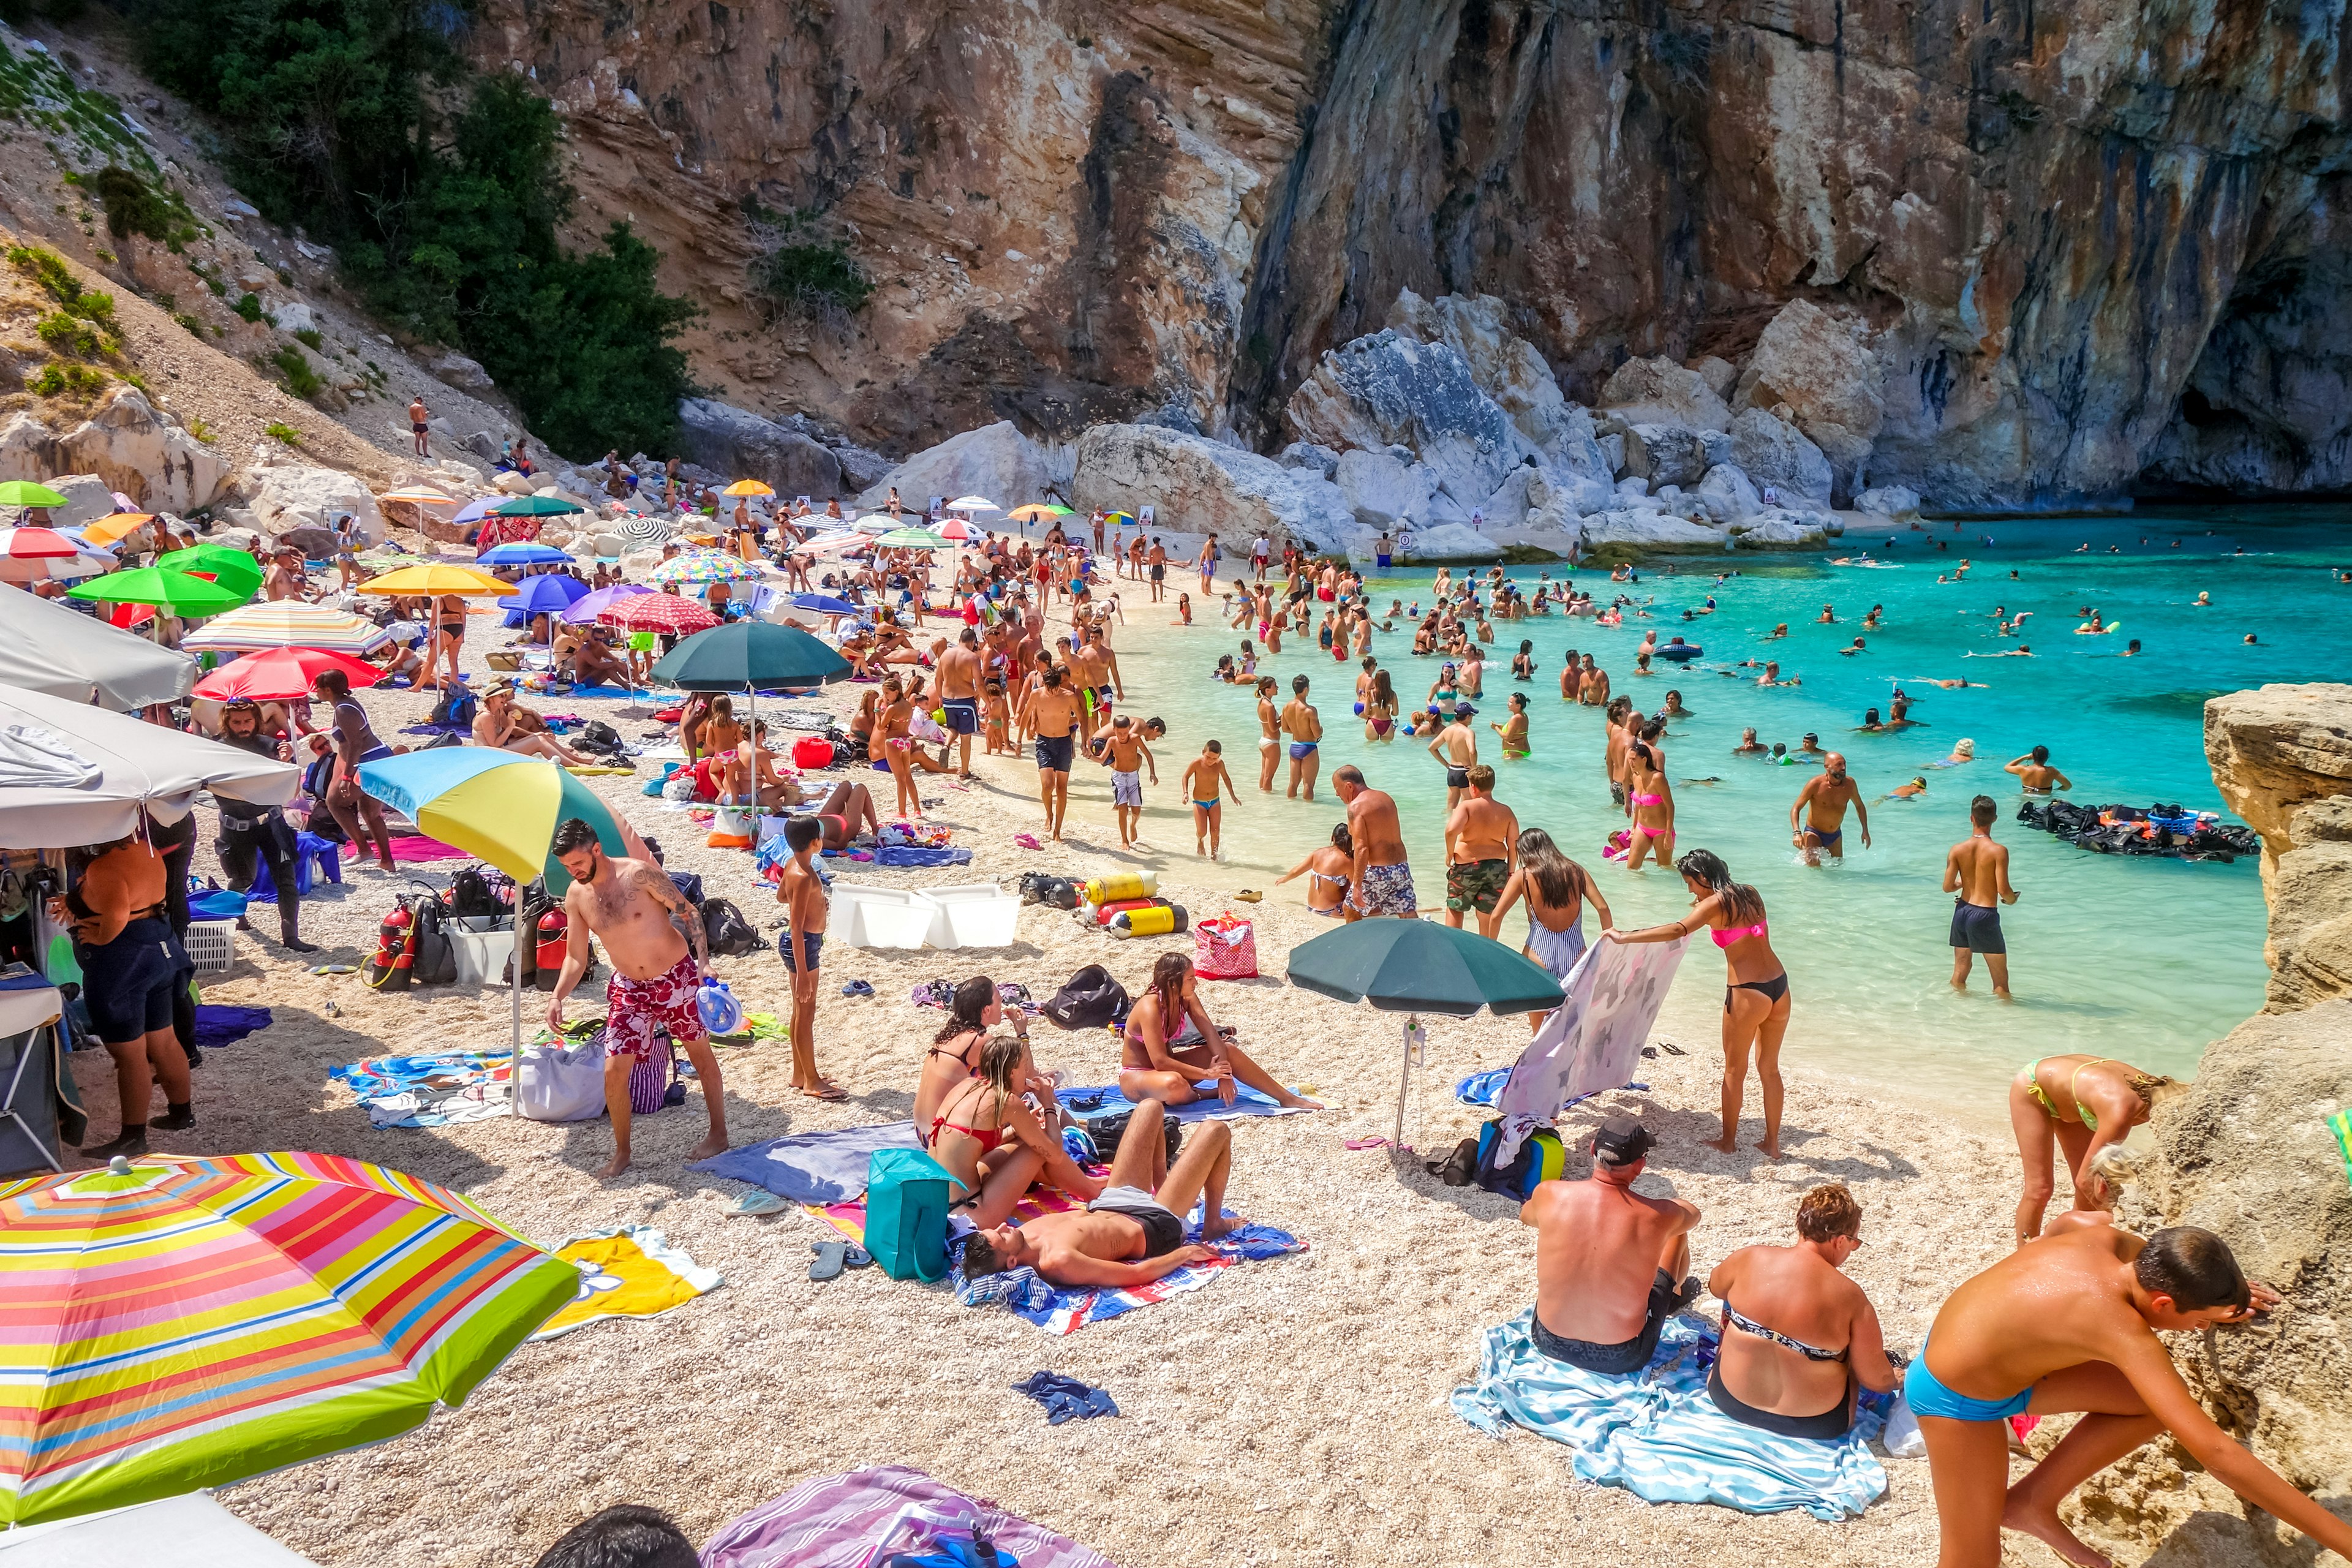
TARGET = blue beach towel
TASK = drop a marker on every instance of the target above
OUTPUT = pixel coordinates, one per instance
(217, 1026)
(1066, 1311)
(1658, 1434)
(906, 856)
(1247, 1102)
(812, 1167)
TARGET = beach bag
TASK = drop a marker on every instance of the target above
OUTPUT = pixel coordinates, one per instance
(731, 936)
(598, 736)
(1108, 1133)
(906, 1214)
(1090, 1000)
(562, 1083)
(1224, 948)
(470, 894)
(1540, 1158)
(810, 752)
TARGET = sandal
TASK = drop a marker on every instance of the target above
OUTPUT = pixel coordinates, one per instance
(857, 988)
(830, 1256)
(1249, 895)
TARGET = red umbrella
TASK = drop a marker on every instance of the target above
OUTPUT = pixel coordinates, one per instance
(281, 674)
(36, 545)
(955, 528)
(659, 613)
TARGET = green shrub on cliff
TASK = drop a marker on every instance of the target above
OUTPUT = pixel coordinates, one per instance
(447, 225)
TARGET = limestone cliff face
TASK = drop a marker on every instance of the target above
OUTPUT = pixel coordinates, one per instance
(2080, 244)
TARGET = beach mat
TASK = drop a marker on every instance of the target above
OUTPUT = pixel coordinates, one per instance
(415, 847)
(1658, 1434)
(813, 1168)
(1062, 1310)
(630, 1271)
(838, 1521)
(1247, 1102)
(849, 1218)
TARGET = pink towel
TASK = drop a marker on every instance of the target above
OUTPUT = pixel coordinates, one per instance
(417, 847)
(833, 1522)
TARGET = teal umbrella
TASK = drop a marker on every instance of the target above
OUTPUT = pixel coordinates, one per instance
(744, 656)
(534, 506)
(1415, 966)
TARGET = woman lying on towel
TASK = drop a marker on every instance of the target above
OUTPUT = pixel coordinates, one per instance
(992, 1143)
(1172, 1043)
(1797, 1334)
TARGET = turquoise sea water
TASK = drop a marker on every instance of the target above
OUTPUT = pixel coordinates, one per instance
(2144, 959)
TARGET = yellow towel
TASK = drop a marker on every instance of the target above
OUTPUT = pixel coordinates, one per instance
(631, 1272)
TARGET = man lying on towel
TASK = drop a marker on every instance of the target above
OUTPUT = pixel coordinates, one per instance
(1607, 1258)
(1134, 1233)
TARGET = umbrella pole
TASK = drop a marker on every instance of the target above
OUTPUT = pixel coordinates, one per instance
(1404, 1079)
(514, 1040)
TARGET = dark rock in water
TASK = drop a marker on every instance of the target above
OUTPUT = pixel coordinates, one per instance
(741, 444)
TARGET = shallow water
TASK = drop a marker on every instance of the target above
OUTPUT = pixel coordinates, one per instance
(2144, 959)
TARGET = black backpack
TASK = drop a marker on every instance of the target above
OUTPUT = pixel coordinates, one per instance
(1089, 1001)
(437, 955)
(598, 736)
(1108, 1133)
(469, 894)
(731, 936)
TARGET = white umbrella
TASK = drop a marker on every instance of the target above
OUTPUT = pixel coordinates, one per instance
(46, 647)
(973, 503)
(70, 773)
(826, 543)
(881, 521)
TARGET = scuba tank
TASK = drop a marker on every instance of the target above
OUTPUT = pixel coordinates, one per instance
(393, 965)
(1120, 886)
(1162, 920)
(554, 936)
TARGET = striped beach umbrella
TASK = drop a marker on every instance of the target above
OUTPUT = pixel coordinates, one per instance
(1038, 511)
(644, 533)
(973, 503)
(288, 623)
(176, 1323)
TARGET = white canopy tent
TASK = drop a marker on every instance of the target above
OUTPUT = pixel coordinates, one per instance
(43, 647)
(71, 774)
(191, 1531)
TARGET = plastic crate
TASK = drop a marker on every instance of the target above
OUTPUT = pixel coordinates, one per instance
(212, 945)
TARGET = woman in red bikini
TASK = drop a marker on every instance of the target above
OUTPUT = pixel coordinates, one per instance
(988, 1138)
(1755, 1003)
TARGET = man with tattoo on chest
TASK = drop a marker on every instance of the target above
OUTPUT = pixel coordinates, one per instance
(647, 927)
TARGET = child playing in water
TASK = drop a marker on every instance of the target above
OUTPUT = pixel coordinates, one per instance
(1206, 783)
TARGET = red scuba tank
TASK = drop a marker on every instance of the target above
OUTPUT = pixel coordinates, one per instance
(554, 936)
(393, 965)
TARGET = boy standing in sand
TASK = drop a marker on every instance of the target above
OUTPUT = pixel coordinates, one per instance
(1129, 756)
(1305, 727)
(1978, 870)
(800, 944)
(1206, 783)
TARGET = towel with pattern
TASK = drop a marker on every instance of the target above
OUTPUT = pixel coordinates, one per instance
(844, 1521)
(1110, 1101)
(431, 1090)
(1658, 1434)
(1065, 1311)
(630, 1271)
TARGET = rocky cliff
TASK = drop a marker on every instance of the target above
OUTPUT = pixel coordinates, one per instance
(2044, 252)
(2246, 1152)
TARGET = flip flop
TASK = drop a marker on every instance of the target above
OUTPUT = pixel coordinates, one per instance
(336, 969)
(831, 1093)
(1249, 896)
(858, 1258)
(757, 1203)
(830, 1257)
(857, 988)
(1027, 841)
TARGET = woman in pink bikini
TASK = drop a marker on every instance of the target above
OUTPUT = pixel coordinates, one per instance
(1755, 1003)
(1652, 802)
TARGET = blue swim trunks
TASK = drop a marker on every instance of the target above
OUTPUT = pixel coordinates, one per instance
(1928, 1396)
(1301, 749)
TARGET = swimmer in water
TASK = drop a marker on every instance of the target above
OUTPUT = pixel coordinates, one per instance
(2022, 650)
(2035, 771)
(2130, 649)
(1871, 724)
(1750, 746)
(1963, 751)
(1859, 647)
(1870, 621)
(1827, 617)
(1917, 787)
(1780, 631)
(1950, 685)
(2250, 639)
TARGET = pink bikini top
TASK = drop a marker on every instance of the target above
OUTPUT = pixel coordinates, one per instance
(1649, 800)
(1725, 938)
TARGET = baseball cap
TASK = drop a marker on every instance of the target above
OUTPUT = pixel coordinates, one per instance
(1622, 1141)
(1462, 710)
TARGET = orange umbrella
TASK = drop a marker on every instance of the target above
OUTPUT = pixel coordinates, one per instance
(115, 525)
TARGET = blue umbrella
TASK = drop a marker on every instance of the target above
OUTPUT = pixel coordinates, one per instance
(585, 609)
(824, 604)
(522, 553)
(475, 510)
(548, 595)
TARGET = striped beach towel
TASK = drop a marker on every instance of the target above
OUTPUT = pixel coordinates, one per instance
(1061, 1310)
(1660, 1437)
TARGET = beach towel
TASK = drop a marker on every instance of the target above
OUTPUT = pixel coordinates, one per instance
(430, 1091)
(1481, 1086)
(905, 856)
(313, 857)
(219, 1026)
(415, 847)
(1247, 1102)
(839, 1521)
(630, 1271)
(1658, 1434)
(1062, 1310)
(813, 1168)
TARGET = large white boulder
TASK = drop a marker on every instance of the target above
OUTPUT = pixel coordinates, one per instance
(744, 445)
(994, 460)
(1565, 498)
(147, 456)
(1507, 368)
(1449, 542)
(1725, 494)
(1898, 501)
(1509, 503)
(1820, 365)
(1648, 529)
(1778, 528)
(282, 496)
(1773, 452)
(1391, 388)
(1380, 489)
(1198, 486)
(1657, 391)
(88, 498)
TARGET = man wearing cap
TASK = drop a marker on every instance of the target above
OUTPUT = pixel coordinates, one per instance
(1607, 1258)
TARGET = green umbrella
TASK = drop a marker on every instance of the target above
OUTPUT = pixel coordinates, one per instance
(25, 493)
(229, 568)
(1415, 966)
(744, 656)
(174, 591)
(534, 506)
(913, 539)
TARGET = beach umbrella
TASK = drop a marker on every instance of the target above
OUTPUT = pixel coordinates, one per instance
(704, 566)
(973, 503)
(65, 568)
(876, 523)
(1038, 511)
(827, 543)
(546, 595)
(288, 623)
(1119, 519)
(911, 539)
(417, 498)
(36, 544)
(747, 488)
(475, 510)
(647, 533)
(173, 1323)
(585, 609)
(282, 674)
(500, 806)
(229, 568)
(535, 506)
(522, 554)
(1416, 966)
(115, 526)
(956, 529)
(25, 493)
(165, 589)
(437, 579)
(744, 656)
(46, 647)
(824, 604)
(672, 613)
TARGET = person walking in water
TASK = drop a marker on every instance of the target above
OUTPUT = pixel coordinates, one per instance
(1823, 802)
(1755, 1003)
(2035, 773)
(1305, 727)
(1977, 870)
